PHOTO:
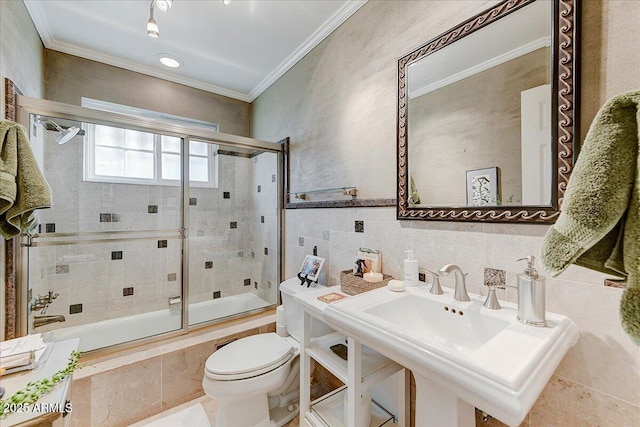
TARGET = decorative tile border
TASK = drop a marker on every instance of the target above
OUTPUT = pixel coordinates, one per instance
(10, 313)
(353, 203)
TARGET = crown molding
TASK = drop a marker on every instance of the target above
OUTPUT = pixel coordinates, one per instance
(40, 21)
(493, 62)
(323, 32)
(39, 18)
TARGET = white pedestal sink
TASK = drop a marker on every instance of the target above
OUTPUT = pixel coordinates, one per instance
(462, 354)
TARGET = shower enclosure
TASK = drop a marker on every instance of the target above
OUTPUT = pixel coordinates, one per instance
(154, 227)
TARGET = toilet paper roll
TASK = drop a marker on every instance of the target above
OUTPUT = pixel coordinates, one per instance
(281, 327)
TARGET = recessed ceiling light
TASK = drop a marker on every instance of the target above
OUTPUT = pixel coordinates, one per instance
(169, 60)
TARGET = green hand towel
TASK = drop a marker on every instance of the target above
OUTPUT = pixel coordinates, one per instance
(599, 223)
(22, 186)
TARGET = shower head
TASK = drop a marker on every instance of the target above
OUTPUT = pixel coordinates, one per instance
(65, 133)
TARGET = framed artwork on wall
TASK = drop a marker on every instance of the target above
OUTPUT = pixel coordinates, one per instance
(311, 267)
(483, 187)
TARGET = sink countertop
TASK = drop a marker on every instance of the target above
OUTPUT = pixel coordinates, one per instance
(309, 300)
(503, 375)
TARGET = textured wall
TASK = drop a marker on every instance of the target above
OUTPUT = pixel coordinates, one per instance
(20, 61)
(20, 50)
(338, 105)
(68, 78)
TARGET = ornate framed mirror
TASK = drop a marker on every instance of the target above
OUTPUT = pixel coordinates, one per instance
(487, 116)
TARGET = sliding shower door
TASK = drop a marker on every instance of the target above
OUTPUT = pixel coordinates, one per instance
(233, 232)
(106, 262)
(154, 226)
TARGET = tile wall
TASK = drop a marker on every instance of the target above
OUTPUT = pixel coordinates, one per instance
(105, 280)
(598, 382)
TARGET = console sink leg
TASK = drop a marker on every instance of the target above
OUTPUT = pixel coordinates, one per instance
(436, 406)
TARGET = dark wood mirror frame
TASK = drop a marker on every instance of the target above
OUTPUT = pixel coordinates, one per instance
(564, 79)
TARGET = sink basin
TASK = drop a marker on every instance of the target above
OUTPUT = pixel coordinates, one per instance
(434, 322)
(462, 354)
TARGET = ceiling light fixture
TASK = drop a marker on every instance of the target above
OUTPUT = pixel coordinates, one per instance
(169, 60)
(225, 2)
(152, 26)
(164, 5)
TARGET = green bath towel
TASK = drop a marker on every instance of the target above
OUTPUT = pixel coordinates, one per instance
(599, 223)
(23, 189)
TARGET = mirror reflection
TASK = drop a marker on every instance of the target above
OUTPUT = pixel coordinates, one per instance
(479, 116)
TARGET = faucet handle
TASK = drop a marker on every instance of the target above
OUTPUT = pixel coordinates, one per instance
(436, 289)
(492, 300)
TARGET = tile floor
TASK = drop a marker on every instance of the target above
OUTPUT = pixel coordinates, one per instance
(173, 417)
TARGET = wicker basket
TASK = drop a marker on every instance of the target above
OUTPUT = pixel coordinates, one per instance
(353, 285)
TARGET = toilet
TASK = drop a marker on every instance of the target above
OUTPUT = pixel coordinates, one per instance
(256, 378)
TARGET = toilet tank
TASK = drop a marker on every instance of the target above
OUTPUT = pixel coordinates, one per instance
(293, 313)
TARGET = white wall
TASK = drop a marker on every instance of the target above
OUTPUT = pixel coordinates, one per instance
(338, 105)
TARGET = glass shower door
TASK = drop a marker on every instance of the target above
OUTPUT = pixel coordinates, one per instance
(233, 231)
(106, 263)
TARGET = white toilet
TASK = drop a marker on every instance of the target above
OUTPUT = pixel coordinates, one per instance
(256, 379)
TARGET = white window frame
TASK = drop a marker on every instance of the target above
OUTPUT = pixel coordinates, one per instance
(90, 147)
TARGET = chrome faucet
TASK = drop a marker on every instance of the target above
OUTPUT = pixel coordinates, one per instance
(461, 288)
(45, 320)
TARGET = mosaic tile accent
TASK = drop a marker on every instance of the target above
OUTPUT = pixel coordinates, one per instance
(255, 285)
(351, 203)
(75, 308)
(152, 209)
(233, 224)
(253, 254)
(115, 217)
(50, 228)
(240, 254)
(162, 244)
(259, 188)
(247, 282)
(300, 241)
(115, 255)
(266, 251)
(495, 277)
(273, 178)
(126, 292)
(62, 269)
(208, 265)
(422, 277)
(226, 195)
(193, 201)
(105, 217)
(262, 219)
(172, 277)
(359, 226)
(216, 294)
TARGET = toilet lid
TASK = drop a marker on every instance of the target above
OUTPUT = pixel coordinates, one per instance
(249, 356)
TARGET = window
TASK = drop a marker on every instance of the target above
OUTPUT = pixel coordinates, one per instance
(129, 156)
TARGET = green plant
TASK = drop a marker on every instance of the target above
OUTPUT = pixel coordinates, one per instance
(35, 389)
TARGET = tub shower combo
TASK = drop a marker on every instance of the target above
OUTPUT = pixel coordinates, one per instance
(155, 227)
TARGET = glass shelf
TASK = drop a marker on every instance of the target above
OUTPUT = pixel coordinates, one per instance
(329, 411)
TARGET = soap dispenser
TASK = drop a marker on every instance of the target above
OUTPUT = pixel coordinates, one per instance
(531, 298)
(411, 270)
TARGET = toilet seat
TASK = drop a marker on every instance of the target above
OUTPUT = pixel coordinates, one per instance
(249, 357)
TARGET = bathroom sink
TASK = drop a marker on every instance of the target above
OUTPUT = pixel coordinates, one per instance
(462, 354)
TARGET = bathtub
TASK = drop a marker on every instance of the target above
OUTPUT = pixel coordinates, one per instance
(110, 332)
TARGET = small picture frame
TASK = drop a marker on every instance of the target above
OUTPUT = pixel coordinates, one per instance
(483, 187)
(311, 267)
